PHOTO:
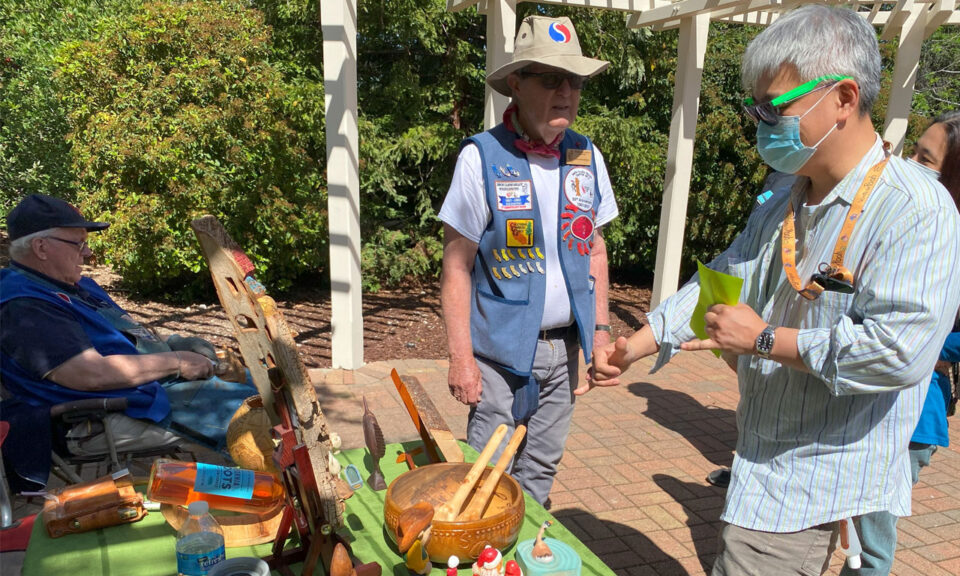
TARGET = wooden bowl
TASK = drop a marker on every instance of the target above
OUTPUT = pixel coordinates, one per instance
(436, 483)
(239, 529)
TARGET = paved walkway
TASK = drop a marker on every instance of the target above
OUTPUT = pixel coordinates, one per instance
(631, 484)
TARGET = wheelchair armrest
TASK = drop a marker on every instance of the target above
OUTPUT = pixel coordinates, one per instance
(79, 409)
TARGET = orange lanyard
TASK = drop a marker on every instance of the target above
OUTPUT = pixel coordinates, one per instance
(835, 271)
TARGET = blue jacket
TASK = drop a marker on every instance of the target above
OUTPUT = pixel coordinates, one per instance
(509, 274)
(147, 401)
(932, 428)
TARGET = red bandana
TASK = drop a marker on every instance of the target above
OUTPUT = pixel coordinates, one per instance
(523, 143)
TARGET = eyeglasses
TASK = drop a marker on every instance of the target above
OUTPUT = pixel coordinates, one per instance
(81, 246)
(553, 80)
(769, 112)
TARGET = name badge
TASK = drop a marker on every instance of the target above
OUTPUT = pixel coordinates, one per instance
(576, 157)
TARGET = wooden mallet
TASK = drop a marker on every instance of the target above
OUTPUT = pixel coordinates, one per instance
(449, 510)
(480, 500)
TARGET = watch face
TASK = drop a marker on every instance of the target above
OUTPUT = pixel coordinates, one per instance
(765, 342)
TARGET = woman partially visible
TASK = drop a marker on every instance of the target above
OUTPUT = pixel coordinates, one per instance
(938, 153)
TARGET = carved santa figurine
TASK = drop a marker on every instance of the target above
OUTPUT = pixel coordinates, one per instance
(513, 569)
(490, 563)
(452, 563)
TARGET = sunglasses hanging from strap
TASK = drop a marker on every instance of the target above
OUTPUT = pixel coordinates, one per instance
(832, 277)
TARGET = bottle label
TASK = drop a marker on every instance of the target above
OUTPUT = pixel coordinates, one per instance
(224, 481)
(199, 564)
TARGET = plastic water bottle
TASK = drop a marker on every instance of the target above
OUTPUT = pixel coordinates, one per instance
(199, 542)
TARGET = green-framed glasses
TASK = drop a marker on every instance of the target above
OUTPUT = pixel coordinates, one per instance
(768, 112)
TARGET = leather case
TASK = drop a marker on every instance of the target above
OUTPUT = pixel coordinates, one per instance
(106, 501)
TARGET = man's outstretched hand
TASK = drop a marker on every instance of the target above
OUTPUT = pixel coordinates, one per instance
(609, 362)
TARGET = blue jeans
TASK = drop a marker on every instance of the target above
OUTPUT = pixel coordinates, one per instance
(200, 410)
(878, 530)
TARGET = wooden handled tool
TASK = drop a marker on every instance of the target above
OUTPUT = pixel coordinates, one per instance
(449, 510)
(482, 497)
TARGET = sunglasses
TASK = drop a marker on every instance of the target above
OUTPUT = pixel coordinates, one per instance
(769, 112)
(81, 245)
(553, 80)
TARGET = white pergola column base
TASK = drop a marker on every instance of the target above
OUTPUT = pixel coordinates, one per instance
(691, 48)
(501, 29)
(338, 19)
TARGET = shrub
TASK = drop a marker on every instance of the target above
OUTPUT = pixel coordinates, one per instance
(175, 112)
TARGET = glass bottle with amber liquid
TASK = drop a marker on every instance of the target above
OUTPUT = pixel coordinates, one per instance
(224, 488)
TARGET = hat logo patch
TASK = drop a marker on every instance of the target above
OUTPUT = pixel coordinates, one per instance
(559, 33)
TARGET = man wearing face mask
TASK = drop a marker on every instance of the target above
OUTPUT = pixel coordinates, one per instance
(843, 305)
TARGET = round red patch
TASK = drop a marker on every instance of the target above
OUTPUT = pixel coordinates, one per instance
(582, 227)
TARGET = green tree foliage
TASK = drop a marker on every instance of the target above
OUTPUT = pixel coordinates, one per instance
(161, 112)
(34, 153)
(938, 80)
(175, 112)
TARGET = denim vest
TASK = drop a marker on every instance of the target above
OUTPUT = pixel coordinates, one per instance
(509, 274)
(98, 322)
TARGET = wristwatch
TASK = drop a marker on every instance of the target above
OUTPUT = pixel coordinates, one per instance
(765, 340)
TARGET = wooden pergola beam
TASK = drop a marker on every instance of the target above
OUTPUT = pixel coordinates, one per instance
(685, 8)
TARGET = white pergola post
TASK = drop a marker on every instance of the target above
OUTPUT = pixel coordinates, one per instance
(338, 19)
(501, 29)
(912, 36)
(691, 47)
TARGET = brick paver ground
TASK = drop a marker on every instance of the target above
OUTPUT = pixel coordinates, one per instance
(632, 482)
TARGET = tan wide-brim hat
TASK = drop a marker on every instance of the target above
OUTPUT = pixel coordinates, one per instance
(548, 41)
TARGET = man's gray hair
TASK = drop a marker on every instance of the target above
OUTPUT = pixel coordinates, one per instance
(20, 247)
(817, 40)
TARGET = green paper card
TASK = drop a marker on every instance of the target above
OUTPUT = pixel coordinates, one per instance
(715, 288)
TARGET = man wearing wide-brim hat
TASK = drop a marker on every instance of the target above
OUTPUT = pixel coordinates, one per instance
(524, 264)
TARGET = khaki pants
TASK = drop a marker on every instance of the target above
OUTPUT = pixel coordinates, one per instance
(745, 552)
(130, 435)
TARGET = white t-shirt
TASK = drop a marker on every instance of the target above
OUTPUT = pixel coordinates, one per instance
(465, 209)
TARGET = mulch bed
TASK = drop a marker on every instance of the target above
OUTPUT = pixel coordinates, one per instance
(398, 324)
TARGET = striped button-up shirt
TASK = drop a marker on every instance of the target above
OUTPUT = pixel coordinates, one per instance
(831, 443)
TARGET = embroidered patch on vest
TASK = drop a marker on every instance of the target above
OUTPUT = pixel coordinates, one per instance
(520, 234)
(64, 297)
(578, 229)
(513, 196)
(578, 186)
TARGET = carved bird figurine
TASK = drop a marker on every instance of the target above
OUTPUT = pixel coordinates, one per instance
(340, 564)
(541, 552)
(373, 438)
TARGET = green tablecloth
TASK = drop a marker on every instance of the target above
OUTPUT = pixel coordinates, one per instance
(147, 548)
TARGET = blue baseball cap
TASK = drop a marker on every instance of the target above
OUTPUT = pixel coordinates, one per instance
(39, 212)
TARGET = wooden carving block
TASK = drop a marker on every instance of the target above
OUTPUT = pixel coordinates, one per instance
(430, 424)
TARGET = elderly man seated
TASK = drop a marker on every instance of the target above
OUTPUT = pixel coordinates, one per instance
(62, 338)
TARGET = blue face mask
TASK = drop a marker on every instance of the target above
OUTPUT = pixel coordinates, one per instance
(926, 170)
(780, 146)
